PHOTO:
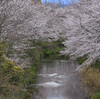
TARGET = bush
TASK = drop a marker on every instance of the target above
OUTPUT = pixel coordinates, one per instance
(82, 59)
(2, 52)
(42, 49)
(11, 76)
(2, 49)
(7, 65)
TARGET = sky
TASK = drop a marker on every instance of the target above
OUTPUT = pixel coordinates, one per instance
(57, 1)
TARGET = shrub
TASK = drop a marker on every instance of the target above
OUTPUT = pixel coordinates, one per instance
(82, 59)
(11, 76)
(44, 49)
(2, 49)
(7, 65)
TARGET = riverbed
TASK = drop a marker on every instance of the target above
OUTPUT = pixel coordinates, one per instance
(56, 80)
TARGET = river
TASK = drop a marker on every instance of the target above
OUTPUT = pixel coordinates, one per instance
(56, 80)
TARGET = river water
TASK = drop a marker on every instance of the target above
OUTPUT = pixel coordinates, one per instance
(56, 80)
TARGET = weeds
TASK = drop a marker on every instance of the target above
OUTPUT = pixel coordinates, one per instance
(91, 76)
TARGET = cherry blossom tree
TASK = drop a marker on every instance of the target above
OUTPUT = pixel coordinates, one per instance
(78, 24)
(83, 36)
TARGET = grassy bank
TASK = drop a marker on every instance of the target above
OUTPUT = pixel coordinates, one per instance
(91, 76)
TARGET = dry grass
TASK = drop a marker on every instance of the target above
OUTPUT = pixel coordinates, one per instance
(91, 76)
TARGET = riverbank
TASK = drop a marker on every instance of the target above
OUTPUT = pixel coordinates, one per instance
(90, 76)
(15, 80)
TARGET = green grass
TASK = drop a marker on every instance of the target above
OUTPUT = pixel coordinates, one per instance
(97, 64)
(96, 96)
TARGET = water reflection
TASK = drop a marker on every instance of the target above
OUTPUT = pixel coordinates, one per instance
(56, 80)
